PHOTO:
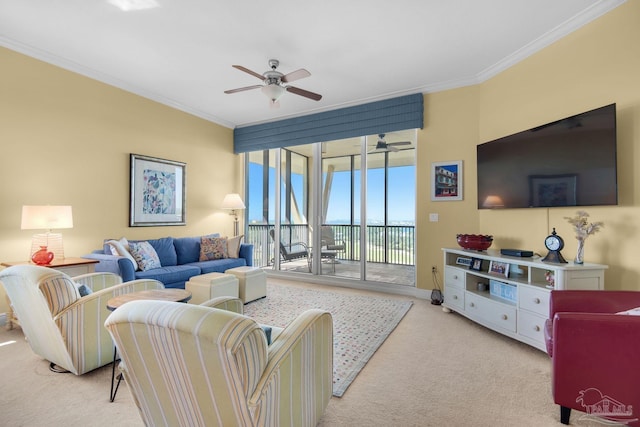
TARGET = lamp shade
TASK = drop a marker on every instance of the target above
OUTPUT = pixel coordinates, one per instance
(46, 217)
(493, 201)
(232, 201)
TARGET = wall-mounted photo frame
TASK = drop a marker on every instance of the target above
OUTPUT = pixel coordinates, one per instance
(463, 261)
(552, 190)
(446, 181)
(476, 264)
(157, 192)
(499, 268)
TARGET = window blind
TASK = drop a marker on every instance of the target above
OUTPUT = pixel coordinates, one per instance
(405, 112)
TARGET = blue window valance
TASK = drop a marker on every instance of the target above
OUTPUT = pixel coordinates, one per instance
(405, 112)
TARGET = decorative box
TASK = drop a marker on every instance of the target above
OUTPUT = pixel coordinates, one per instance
(503, 290)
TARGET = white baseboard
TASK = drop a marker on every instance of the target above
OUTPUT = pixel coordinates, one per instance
(395, 289)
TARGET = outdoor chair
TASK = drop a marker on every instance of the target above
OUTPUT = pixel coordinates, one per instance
(293, 250)
(60, 325)
(329, 241)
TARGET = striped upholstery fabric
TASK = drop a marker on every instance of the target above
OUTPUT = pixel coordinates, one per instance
(190, 365)
(73, 335)
(227, 303)
(59, 291)
(98, 281)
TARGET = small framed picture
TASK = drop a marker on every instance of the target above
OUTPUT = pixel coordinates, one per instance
(501, 268)
(463, 261)
(446, 181)
(476, 264)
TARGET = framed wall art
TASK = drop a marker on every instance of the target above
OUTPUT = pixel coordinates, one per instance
(157, 192)
(446, 181)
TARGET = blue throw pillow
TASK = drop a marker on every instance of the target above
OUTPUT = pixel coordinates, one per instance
(188, 248)
(84, 290)
(267, 332)
(165, 250)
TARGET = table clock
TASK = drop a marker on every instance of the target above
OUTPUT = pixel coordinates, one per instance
(554, 245)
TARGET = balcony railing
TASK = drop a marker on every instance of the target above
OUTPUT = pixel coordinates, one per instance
(391, 244)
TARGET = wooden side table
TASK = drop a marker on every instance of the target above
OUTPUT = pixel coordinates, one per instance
(70, 266)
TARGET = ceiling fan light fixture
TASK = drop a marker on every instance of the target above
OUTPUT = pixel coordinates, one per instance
(273, 92)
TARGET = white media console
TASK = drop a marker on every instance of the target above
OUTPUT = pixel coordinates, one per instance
(515, 304)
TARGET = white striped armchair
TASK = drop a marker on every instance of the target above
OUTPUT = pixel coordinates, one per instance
(193, 365)
(60, 325)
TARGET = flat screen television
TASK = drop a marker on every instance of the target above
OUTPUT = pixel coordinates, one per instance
(569, 162)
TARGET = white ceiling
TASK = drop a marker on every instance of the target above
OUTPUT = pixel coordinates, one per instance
(358, 51)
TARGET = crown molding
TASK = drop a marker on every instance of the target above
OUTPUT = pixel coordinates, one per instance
(562, 30)
(595, 11)
(107, 79)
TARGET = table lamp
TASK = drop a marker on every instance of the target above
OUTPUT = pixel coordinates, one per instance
(46, 246)
(234, 203)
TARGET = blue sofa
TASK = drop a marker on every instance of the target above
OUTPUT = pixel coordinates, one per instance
(180, 260)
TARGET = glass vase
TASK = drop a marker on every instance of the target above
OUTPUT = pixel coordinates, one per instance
(580, 252)
(42, 256)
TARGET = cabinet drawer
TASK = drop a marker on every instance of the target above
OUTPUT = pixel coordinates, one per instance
(454, 298)
(536, 300)
(531, 325)
(499, 314)
(454, 277)
(592, 280)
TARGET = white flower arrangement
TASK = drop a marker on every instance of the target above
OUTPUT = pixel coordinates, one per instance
(582, 226)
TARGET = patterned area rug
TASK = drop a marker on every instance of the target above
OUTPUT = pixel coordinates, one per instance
(360, 323)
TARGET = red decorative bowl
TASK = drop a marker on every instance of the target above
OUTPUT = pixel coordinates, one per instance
(476, 242)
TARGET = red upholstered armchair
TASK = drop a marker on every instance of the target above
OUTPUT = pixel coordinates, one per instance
(595, 354)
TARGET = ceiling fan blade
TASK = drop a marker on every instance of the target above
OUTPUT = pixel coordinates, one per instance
(248, 71)
(377, 150)
(242, 89)
(305, 93)
(391, 148)
(295, 75)
(399, 143)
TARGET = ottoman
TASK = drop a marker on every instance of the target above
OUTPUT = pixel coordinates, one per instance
(211, 285)
(252, 282)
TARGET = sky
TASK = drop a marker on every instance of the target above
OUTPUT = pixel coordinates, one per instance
(402, 196)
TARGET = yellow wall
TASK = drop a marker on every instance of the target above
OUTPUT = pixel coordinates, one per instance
(75, 135)
(66, 140)
(594, 66)
(450, 133)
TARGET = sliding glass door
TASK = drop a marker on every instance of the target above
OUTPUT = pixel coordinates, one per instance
(277, 209)
(390, 219)
(340, 216)
(345, 208)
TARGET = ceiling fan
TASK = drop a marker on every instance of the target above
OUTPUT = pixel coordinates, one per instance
(383, 146)
(273, 81)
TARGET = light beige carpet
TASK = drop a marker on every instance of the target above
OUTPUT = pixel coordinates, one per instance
(361, 323)
(435, 369)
